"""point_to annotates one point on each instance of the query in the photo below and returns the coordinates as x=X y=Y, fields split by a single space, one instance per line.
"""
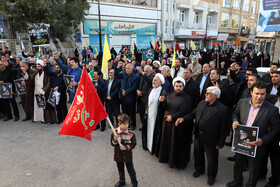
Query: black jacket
x=267 y=118
x=192 y=89
x=215 y=123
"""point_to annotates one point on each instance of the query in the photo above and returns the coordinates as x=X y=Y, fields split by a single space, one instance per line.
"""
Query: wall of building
x=131 y=20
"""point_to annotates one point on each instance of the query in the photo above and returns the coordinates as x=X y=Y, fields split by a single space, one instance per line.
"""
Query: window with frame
x=253 y=8
x=166 y=26
x=210 y=19
x=167 y=5
x=181 y=15
x=173 y=27
x=227 y=3
x=236 y=4
x=173 y=5
x=196 y=18
x=244 y=22
x=246 y=5
x=235 y=21
x=224 y=20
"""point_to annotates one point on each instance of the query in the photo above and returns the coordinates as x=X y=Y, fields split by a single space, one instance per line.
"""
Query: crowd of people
x=178 y=105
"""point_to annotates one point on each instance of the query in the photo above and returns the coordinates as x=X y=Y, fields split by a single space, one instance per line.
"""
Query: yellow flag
x=173 y=60
x=162 y=46
x=193 y=46
x=132 y=48
x=153 y=43
x=96 y=51
x=106 y=57
x=40 y=50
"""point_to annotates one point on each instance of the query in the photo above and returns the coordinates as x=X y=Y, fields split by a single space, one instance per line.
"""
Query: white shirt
x=273 y=91
x=109 y=86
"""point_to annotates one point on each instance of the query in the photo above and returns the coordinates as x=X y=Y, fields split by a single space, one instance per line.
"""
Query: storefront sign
x=115 y=27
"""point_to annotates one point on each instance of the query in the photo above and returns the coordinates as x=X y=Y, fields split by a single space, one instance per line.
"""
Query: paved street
x=34 y=155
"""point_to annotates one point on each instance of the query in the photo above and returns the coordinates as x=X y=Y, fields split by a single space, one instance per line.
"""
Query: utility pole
x=205 y=37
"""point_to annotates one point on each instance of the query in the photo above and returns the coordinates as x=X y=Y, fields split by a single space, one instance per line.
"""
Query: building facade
x=186 y=20
x=238 y=23
x=124 y=22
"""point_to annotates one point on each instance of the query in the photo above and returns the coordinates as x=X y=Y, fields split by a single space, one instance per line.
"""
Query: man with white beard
x=152 y=110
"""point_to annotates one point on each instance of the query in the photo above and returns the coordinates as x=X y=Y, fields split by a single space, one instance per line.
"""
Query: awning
x=189 y=37
x=252 y=37
x=222 y=36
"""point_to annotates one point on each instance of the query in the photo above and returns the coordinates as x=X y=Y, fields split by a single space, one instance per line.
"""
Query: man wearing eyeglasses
x=210 y=131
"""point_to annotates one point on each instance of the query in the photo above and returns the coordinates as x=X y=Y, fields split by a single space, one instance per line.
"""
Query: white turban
x=156 y=61
x=161 y=77
x=179 y=79
x=40 y=62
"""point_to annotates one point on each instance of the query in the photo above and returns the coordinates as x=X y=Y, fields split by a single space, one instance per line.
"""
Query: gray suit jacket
x=267 y=118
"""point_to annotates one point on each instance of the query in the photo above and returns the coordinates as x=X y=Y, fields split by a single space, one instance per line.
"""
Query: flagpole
x=113 y=130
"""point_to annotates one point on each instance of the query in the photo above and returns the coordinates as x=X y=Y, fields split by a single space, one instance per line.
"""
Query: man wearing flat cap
x=175 y=142
x=38 y=83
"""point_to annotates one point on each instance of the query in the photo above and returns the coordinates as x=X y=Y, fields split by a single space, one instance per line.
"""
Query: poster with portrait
x=6 y=91
x=21 y=90
x=68 y=79
x=41 y=101
x=269 y=16
x=243 y=136
x=39 y=33
x=52 y=98
x=148 y=54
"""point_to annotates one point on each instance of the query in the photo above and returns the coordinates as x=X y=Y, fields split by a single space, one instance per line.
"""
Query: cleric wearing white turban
x=152 y=108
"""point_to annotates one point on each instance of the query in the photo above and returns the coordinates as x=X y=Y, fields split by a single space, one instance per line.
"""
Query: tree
x=64 y=16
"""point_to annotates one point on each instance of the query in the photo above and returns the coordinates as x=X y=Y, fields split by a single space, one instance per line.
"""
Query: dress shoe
x=210 y=182
x=196 y=174
x=140 y=129
x=16 y=118
x=102 y=129
x=234 y=184
x=26 y=118
x=231 y=158
x=7 y=119
x=135 y=185
x=119 y=184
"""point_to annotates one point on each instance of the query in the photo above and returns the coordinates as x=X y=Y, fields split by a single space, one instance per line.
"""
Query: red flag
x=157 y=48
x=177 y=47
x=86 y=110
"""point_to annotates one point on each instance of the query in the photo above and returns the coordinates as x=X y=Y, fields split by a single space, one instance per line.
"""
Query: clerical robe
x=176 y=140
x=39 y=83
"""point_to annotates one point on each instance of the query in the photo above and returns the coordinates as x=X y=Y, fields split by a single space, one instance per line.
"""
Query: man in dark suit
x=112 y=100
x=129 y=83
x=267 y=77
x=24 y=64
x=204 y=80
x=275 y=82
x=100 y=87
x=58 y=84
x=145 y=84
x=210 y=132
x=191 y=87
x=255 y=112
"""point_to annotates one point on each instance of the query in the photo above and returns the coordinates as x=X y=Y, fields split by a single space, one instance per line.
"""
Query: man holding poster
x=258 y=113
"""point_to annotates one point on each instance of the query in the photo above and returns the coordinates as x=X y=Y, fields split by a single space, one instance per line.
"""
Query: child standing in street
x=123 y=152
